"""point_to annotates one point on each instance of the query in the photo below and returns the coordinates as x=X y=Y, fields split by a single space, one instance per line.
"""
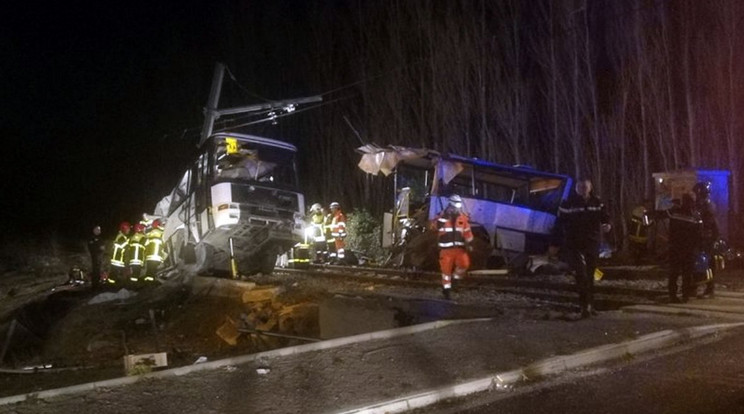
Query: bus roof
x=427 y=158
x=259 y=140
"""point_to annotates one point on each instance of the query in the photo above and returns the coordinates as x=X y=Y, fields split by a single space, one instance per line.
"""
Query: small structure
x=671 y=185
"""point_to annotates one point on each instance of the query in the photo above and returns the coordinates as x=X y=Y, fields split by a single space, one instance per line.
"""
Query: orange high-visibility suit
x=454 y=236
x=338 y=232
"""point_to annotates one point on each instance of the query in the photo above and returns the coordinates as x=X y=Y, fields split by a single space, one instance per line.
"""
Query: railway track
x=541 y=288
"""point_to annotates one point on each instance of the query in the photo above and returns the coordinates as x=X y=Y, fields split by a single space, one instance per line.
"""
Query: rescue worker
x=154 y=250
x=582 y=218
x=75 y=276
x=338 y=231
x=96 y=248
x=330 y=241
x=641 y=222
x=136 y=252
x=685 y=234
x=454 y=238
x=118 y=254
x=146 y=221
x=710 y=233
x=317 y=232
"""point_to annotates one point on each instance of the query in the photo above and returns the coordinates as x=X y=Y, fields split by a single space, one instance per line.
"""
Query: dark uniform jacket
x=685 y=232
x=96 y=247
x=579 y=221
x=710 y=233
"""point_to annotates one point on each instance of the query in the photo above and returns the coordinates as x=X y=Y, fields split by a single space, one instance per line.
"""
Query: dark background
x=102 y=101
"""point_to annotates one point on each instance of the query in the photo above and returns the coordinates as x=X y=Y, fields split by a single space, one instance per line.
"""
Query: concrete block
x=144 y=363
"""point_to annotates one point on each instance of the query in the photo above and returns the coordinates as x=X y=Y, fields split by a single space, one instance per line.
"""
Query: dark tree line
x=612 y=90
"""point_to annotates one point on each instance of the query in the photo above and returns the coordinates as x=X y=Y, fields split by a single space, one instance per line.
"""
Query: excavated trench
x=28 y=328
x=71 y=341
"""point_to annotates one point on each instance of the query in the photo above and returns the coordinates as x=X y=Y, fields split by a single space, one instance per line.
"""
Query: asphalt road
x=704 y=377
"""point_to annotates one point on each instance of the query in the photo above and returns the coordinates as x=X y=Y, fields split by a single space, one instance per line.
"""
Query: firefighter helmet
x=316 y=208
x=139 y=228
x=157 y=224
x=124 y=227
x=702 y=189
x=335 y=204
x=455 y=201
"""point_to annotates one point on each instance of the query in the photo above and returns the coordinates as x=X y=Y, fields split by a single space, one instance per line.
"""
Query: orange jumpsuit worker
x=454 y=237
x=338 y=230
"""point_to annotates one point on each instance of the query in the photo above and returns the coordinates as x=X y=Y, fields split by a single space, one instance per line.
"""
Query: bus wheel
x=268 y=261
x=204 y=257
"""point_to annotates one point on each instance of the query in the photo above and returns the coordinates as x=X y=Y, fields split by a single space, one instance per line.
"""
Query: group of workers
x=581 y=221
x=135 y=255
x=327 y=233
x=693 y=241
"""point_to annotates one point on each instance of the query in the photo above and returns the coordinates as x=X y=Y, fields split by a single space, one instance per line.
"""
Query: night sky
x=102 y=103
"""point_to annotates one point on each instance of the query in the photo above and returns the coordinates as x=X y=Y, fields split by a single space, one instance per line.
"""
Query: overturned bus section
x=512 y=208
x=237 y=206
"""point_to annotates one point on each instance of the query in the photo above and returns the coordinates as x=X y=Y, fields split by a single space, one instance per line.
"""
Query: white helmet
x=316 y=207
x=335 y=204
x=455 y=201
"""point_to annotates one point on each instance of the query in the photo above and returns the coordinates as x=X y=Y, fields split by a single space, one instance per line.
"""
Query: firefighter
x=316 y=232
x=96 y=248
x=582 y=218
x=146 y=221
x=338 y=231
x=641 y=222
x=154 y=250
x=710 y=233
x=76 y=276
x=118 y=254
x=685 y=233
x=136 y=252
x=454 y=238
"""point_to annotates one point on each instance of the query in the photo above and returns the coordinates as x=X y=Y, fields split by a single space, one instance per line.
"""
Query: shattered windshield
x=242 y=160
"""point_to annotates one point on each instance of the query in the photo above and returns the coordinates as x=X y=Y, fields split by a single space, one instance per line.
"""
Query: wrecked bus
x=235 y=208
x=512 y=208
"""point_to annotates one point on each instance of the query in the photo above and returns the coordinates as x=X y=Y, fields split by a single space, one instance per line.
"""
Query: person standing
x=118 y=253
x=685 y=233
x=317 y=233
x=96 y=248
x=154 y=250
x=710 y=232
x=454 y=238
x=582 y=218
x=338 y=231
x=136 y=252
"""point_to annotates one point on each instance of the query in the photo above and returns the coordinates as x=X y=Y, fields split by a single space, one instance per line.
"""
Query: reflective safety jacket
x=317 y=221
x=338 y=225
x=453 y=230
x=154 y=250
x=120 y=247
x=136 y=249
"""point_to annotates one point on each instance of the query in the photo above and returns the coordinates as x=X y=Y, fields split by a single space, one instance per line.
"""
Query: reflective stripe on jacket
x=454 y=231
x=154 y=246
x=136 y=249
x=120 y=246
x=338 y=225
